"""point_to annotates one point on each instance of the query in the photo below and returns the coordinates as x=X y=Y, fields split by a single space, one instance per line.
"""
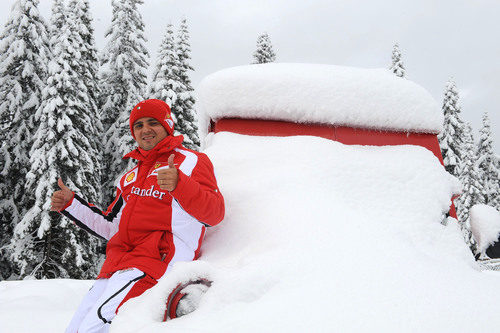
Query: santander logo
x=150 y=192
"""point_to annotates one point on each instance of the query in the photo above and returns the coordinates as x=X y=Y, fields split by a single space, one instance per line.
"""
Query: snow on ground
x=318 y=237
x=327 y=94
x=41 y=306
x=485 y=225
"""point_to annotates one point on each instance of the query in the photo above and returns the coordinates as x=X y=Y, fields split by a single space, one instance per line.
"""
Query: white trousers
x=98 y=308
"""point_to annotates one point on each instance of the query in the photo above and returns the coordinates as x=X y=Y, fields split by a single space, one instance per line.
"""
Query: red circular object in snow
x=176 y=295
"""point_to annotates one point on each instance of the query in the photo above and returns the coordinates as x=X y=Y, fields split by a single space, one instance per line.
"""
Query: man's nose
x=147 y=128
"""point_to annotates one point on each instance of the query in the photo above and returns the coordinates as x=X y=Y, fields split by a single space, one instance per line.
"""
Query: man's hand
x=60 y=198
x=168 y=178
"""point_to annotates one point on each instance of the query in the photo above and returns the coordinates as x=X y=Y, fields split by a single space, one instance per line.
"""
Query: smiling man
x=159 y=216
x=148 y=132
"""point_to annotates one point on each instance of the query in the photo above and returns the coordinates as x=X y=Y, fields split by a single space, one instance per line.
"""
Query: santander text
x=147 y=192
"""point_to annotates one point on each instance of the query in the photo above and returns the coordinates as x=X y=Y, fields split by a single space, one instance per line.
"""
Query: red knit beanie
x=153 y=108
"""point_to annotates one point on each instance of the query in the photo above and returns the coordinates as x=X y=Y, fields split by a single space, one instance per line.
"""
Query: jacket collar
x=164 y=146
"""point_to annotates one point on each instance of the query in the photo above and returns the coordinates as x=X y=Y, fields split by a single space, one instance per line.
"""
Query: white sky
x=438 y=39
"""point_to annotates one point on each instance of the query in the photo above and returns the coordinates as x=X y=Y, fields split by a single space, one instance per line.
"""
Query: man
x=158 y=217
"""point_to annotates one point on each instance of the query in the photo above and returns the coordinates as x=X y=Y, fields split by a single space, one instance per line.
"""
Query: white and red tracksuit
x=149 y=229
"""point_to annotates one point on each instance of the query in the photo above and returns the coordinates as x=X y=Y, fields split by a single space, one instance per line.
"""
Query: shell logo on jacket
x=130 y=177
x=149 y=228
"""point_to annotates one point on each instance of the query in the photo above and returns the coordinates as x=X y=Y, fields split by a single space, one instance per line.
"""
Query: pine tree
x=87 y=69
x=58 y=16
x=264 y=52
x=397 y=66
x=6 y=229
x=123 y=81
x=165 y=83
x=450 y=139
x=489 y=180
x=184 y=107
x=470 y=179
x=497 y=164
x=24 y=56
x=45 y=245
x=172 y=84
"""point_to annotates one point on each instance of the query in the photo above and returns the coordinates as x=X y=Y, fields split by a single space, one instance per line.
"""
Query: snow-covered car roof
x=324 y=94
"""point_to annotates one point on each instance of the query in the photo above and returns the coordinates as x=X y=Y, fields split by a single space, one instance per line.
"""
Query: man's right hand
x=60 y=198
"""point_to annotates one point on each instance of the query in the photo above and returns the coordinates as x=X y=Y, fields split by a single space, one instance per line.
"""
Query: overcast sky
x=438 y=39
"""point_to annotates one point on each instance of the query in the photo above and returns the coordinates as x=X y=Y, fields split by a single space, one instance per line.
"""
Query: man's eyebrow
x=152 y=120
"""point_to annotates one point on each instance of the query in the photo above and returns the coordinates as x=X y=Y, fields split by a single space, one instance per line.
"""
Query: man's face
x=148 y=132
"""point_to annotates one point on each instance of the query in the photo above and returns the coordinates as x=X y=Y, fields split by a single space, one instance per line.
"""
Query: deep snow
x=318 y=237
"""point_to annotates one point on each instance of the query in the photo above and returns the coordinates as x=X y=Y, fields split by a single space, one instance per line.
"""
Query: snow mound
x=325 y=94
x=321 y=236
x=485 y=225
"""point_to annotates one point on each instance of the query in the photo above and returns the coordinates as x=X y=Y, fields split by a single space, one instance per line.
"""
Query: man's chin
x=147 y=146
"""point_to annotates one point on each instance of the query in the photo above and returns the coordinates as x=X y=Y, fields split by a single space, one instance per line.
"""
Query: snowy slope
x=318 y=237
x=326 y=94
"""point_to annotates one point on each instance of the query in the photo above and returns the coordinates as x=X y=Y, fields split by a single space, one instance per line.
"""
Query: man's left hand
x=168 y=178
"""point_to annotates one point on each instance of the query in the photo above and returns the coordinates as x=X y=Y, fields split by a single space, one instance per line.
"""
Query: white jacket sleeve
x=92 y=219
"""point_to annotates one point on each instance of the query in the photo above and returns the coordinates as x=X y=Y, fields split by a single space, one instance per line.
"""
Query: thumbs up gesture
x=168 y=178
x=60 y=198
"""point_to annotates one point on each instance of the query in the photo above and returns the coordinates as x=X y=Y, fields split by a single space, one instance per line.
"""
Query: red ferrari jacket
x=149 y=228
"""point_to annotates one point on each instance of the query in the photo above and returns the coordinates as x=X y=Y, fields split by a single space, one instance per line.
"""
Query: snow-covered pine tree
x=165 y=83
x=172 y=84
x=24 y=56
x=450 y=139
x=5 y=231
x=489 y=180
x=123 y=81
x=469 y=177
x=44 y=245
x=90 y=71
x=497 y=163
x=58 y=16
x=397 y=66
x=87 y=67
x=264 y=52
x=183 y=109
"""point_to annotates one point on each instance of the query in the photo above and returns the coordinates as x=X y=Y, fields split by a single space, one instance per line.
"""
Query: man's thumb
x=61 y=184
x=171 y=161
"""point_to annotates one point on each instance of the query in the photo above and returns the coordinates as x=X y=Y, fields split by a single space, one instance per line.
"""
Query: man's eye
x=138 y=126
